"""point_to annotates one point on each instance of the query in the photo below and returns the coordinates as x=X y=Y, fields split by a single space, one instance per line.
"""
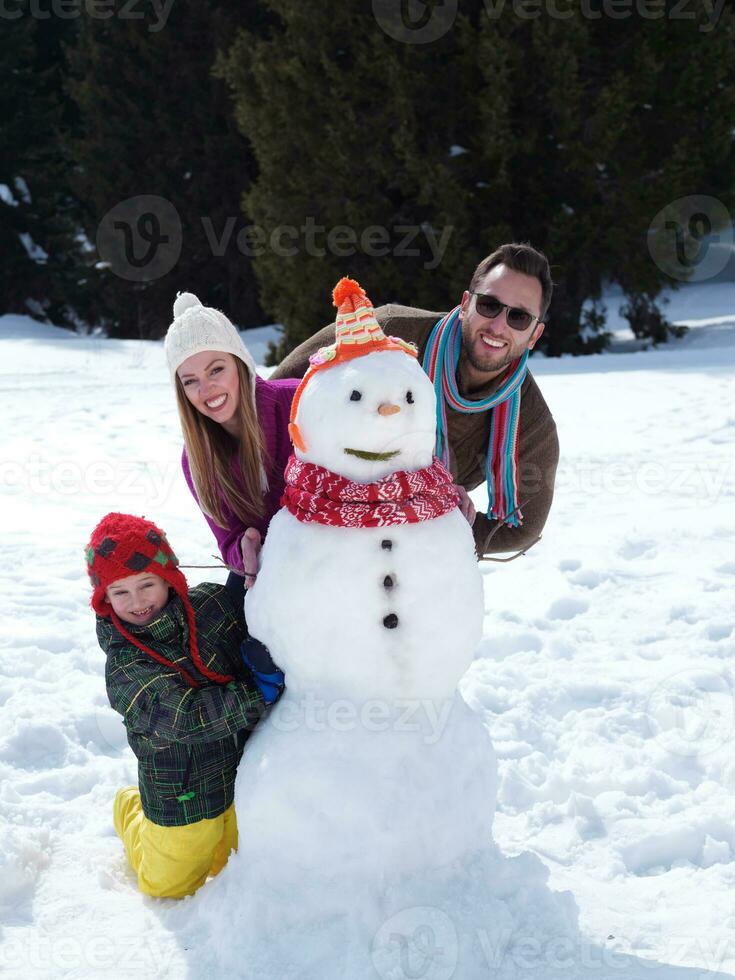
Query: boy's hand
x=250 y=544
x=268 y=677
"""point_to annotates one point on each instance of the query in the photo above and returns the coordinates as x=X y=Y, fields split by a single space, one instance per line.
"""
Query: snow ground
x=605 y=676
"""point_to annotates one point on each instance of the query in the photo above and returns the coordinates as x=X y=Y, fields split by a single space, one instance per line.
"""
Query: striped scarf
x=315 y=494
x=501 y=463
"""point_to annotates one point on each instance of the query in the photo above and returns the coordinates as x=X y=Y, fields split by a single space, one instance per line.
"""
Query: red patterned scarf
x=314 y=494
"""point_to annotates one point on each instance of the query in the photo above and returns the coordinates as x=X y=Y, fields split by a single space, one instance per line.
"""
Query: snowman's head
x=368 y=417
x=365 y=408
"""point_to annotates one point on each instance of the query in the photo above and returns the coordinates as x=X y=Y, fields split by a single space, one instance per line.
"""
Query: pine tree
x=603 y=123
x=156 y=122
x=44 y=271
x=566 y=131
x=350 y=131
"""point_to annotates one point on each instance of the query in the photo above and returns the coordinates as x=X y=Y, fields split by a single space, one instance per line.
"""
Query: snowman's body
x=365 y=799
x=355 y=612
x=384 y=754
x=374 y=627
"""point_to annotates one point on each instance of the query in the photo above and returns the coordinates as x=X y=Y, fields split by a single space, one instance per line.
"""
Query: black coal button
x=388 y=582
x=391 y=621
x=386 y=544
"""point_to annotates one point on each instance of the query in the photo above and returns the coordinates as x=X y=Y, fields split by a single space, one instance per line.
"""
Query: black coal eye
x=409 y=397
x=355 y=396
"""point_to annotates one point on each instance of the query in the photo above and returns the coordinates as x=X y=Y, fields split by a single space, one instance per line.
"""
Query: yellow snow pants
x=172 y=862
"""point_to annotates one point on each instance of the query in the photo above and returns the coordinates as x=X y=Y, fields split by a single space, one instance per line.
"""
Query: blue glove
x=267 y=676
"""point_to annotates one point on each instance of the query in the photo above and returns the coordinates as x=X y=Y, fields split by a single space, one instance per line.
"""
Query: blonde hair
x=209 y=450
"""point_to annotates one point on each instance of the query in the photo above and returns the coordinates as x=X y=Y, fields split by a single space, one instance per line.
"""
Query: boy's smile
x=138 y=599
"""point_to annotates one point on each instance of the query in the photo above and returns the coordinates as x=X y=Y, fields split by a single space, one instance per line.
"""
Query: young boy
x=175 y=674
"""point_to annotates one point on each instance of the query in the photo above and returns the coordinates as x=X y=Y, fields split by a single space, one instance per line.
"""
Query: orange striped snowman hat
x=357 y=333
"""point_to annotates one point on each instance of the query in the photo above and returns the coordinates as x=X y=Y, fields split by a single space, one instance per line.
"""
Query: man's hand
x=250 y=544
x=466 y=505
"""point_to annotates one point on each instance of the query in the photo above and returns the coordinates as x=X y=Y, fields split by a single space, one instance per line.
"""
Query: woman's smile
x=202 y=372
x=217 y=402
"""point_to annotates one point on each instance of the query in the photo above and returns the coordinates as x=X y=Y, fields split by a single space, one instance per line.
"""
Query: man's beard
x=468 y=349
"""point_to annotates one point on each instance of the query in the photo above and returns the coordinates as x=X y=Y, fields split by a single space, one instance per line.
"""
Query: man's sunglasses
x=490 y=307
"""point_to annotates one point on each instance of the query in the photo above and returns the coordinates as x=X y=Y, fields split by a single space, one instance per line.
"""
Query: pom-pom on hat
x=357 y=333
x=197 y=328
x=122 y=545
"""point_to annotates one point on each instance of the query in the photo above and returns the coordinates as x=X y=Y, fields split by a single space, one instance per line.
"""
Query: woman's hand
x=465 y=505
x=250 y=544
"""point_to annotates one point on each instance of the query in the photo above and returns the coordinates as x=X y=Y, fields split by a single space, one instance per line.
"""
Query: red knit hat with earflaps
x=122 y=545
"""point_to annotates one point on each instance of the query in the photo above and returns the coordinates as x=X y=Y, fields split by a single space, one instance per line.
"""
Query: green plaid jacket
x=188 y=740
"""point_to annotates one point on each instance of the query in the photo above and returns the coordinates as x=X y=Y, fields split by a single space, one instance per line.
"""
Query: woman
x=235 y=427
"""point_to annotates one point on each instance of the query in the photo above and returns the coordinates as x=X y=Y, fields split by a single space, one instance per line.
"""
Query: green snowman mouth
x=364 y=454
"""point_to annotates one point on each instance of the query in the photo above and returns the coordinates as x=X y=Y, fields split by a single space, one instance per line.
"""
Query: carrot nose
x=387 y=409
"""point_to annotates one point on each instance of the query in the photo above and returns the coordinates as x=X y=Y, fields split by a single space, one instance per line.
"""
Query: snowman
x=371 y=770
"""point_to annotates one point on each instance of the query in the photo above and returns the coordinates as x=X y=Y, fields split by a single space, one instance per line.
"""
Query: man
x=476 y=355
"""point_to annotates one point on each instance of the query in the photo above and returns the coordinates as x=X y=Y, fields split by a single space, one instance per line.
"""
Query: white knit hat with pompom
x=197 y=328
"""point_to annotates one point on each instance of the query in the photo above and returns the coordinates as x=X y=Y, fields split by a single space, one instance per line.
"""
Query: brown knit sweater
x=538 y=445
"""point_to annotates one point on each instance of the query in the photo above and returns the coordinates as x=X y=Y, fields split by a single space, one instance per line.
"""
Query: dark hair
x=520 y=257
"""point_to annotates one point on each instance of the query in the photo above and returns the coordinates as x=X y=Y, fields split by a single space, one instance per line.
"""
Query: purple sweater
x=273 y=401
